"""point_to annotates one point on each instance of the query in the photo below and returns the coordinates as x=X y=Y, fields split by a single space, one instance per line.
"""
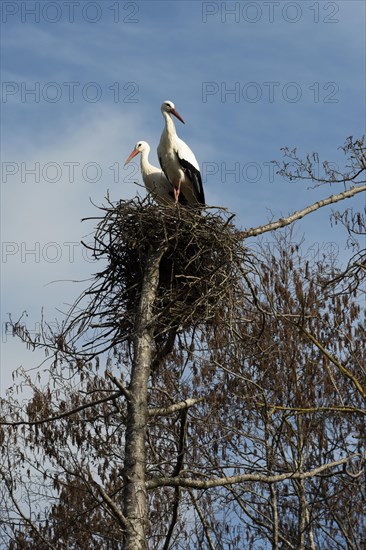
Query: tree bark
x=134 y=493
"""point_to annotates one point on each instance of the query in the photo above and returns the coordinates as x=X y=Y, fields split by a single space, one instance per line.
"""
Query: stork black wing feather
x=195 y=177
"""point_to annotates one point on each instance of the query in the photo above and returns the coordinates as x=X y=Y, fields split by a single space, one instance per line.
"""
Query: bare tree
x=203 y=392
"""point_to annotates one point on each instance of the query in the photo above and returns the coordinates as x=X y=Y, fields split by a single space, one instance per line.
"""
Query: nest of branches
x=200 y=270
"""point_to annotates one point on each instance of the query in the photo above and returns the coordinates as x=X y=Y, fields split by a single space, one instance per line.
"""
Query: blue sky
x=100 y=71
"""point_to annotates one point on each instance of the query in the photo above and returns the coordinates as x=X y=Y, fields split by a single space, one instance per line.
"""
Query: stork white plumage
x=154 y=179
x=178 y=161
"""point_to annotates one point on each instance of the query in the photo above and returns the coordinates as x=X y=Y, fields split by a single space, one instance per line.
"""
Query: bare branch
x=65 y=414
x=166 y=411
x=203 y=520
x=27 y=520
x=112 y=506
x=282 y=222
x=230 y=480
x=306 y=410
x=333 y=360
x=119 y=384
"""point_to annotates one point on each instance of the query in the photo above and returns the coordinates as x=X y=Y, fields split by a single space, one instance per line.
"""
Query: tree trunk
x=134 y=494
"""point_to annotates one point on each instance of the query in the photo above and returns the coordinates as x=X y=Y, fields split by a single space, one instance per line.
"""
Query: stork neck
x=144 y=162
x=144 y=158
x=169 y=125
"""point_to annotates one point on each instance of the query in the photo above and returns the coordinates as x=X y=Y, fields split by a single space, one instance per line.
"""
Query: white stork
x=154 y=178
x=178 y=161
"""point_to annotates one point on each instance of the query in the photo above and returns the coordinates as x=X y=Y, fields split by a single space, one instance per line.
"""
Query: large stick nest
x=200 y=271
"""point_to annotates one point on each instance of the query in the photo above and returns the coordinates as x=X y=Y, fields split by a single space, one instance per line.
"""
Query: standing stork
x=154 y=179
x=178 y=161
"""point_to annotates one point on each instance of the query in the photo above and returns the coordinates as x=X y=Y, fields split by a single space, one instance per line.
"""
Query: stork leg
x=176 y=192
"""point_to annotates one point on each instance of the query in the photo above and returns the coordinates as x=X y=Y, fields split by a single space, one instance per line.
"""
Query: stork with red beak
x=177 y=161
x=154 y=179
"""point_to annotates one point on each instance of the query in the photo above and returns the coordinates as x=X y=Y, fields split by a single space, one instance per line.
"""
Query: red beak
x=175 y=113
x=133 y=154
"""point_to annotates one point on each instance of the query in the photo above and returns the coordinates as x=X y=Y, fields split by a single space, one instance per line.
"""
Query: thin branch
x=176 y=472
x=119 y=384
x=305 y=410
x=112 y=506
x=256 y=521
x=230 y=480
x=203 y=521
x=65 y=414
x=27 y=520
x=282 y=222
x=182 y=405
x=339 y=366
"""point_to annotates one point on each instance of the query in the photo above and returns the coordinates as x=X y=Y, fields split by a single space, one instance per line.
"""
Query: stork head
x=139 y=148
x=169 y=107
